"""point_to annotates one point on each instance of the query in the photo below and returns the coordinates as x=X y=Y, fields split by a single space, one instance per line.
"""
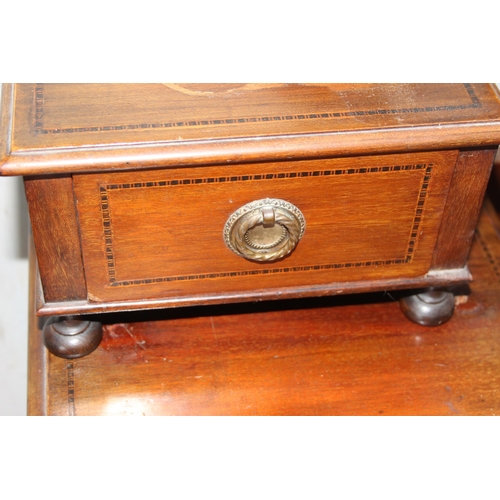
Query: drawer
x=159 y=233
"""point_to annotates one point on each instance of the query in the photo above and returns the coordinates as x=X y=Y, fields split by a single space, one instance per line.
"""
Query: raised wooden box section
x=161 y=195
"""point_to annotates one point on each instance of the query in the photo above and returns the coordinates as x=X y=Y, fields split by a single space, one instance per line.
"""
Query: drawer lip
x=441 y=278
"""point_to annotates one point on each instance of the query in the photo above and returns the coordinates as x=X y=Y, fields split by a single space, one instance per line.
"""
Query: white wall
x=13 y=297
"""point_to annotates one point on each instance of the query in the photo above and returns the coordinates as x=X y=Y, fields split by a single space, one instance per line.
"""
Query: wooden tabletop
x=352 y=355
x=56 y=128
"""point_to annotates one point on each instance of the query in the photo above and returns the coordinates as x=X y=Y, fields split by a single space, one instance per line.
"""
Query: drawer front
x=159 y=233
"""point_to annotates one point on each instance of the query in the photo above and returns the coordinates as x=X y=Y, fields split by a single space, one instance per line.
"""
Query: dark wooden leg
x=71 y=337
x=430 y=308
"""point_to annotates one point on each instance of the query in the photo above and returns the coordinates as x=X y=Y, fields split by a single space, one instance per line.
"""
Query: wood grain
x=447 y=278
x=55 y=226
x=467 y=190
x=83 y=128
x=329 y=356
x=37 y=354
x=160 y=234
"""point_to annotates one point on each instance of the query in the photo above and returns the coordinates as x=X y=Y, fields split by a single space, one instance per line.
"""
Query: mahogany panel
x=351 y=355
x=460 y=216
x=159 y=234
x=54 y=223
x=92 y=127
x=37 y=353
x=93 y=114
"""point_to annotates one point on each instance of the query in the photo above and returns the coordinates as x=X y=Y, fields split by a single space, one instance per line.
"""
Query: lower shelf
x=349 y=355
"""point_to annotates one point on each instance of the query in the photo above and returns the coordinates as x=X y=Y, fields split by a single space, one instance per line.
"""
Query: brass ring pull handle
x=264 y=230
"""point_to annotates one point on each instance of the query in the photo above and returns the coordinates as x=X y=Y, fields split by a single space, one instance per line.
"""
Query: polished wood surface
x=55 y=231
x=350 y=355
x=150 y=234
x=460 y=216
x=38 y=356
x=58 y=128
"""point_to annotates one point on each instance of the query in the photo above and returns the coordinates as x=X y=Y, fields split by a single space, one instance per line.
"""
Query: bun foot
x=71 y=337
x=430 y=308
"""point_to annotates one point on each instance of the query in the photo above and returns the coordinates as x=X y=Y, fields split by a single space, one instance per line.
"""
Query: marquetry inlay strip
x=71 y=388
x=492 y=259
x=39 y=113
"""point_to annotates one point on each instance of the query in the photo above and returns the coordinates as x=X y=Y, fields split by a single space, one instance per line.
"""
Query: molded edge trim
x=252 y=149
x=449 y=277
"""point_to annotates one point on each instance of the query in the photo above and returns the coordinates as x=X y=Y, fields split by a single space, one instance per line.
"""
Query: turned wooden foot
x=430 y=308
x=71 y=337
